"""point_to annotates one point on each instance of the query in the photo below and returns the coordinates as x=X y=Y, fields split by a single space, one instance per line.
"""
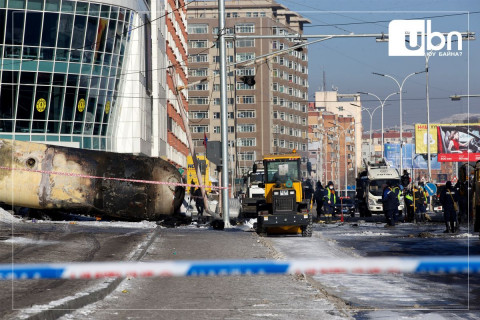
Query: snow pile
x=7 y=217
x=367 y=234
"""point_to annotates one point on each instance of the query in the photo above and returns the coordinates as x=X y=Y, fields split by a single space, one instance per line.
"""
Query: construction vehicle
x=284 y=210
x=254 y=192
x=204 y=164
x=370 y=183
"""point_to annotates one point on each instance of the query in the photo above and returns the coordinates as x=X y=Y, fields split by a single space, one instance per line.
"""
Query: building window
x=199 y=87
x=217 y=115
x=246 y=142
x=228 y=30
x=244 y=56
x=198 y=114
x=216 y=101
x=244 y=86
x=198 y=58
x=194 y=28
x=245 y=28
x=198 y=100
x=246 y=114
x=199 y=129
x=246 y=72
x=202 y=72
x=246 y=99
x=246 y=128
x=245 y=43
x=193 y=44
x=228 y=44
x=246 y=156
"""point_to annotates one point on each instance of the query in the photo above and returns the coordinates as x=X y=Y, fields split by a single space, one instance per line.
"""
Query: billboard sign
x=458 y=142
x=421 y=138
x=411 y=160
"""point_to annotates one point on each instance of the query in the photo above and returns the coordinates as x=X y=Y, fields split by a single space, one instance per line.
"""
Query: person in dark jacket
x=390 y=204
x=448 y=197
x=308 y=191
x=329 y=201
x=318 y=198
x=199 y=203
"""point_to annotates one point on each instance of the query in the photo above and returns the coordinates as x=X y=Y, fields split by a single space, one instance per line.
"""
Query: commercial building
x=93 y=74
x=266 y=98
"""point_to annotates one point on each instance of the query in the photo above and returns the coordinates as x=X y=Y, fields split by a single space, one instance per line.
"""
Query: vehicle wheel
x=308 y=229
x=260 y=229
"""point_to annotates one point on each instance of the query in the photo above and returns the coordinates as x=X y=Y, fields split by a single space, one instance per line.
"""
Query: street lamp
x=370 y=113
x=382 y=103
x=458 y=97
x=400 y=88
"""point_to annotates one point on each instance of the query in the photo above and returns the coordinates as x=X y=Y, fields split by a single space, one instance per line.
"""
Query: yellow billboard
x=421 y=138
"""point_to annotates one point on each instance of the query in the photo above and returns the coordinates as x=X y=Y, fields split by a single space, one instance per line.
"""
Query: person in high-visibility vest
x=329 y=201
x=396 y=190
x=409 y=205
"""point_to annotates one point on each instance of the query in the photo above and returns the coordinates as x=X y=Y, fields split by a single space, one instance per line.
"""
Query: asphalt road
x=44 y=242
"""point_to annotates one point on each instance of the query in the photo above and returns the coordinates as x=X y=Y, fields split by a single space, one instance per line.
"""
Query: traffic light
x=309 y=167
x=248 y=80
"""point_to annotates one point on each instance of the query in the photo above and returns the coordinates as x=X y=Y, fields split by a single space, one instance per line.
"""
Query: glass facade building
x=61 y=70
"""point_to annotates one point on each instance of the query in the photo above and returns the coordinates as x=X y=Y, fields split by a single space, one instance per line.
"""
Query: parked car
x=345 y=205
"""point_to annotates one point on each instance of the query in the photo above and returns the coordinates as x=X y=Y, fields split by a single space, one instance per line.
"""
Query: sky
x=348 y=63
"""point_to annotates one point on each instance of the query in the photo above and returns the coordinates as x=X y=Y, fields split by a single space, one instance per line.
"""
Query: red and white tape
x=78 y=175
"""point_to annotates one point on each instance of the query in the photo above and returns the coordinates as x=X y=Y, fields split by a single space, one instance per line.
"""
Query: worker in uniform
x=448 y=199
x=329 y=201
x=409 y=205
x=418 y=202
x=398 y=193
x=318 y=198
x=390 y=204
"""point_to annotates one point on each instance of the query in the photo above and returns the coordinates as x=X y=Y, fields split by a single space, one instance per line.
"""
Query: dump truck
x=284 y=210
x=369 y=186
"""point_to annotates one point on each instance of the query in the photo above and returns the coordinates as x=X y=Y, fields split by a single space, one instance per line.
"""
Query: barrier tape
x=78 y=175
x=97 y=270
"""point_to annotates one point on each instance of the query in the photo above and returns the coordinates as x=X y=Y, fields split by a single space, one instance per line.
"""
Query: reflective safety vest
x=327 y=197
x=397 y=192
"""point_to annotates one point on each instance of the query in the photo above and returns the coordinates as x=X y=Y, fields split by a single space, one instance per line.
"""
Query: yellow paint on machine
x=284 y=230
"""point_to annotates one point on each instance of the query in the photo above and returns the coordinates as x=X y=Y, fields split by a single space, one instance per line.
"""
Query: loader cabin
x=282 y=170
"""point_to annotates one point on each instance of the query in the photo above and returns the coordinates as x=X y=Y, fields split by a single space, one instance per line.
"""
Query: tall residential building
x=92 y=74
x=267 y=117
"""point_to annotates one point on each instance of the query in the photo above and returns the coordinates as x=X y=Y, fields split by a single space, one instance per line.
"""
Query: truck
x=254 y=192
x=369 y=186
x=285 y=210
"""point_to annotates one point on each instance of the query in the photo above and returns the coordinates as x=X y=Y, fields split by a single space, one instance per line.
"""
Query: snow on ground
x=7 y=217
x=391 y=295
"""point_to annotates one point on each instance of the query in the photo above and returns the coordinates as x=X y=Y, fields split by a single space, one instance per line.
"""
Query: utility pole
x=224 y=112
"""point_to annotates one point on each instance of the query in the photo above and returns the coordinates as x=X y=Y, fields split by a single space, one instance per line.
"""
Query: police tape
x=78 y=175
x=97 y=270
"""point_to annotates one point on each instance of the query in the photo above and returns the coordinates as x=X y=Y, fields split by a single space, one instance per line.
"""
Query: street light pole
x=382 y=104
x=370 y=113
x=400 y=88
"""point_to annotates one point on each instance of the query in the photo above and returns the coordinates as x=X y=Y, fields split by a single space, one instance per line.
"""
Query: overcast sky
x=349 y=63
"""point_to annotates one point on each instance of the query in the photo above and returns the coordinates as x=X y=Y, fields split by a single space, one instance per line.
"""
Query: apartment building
x=266 y=97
